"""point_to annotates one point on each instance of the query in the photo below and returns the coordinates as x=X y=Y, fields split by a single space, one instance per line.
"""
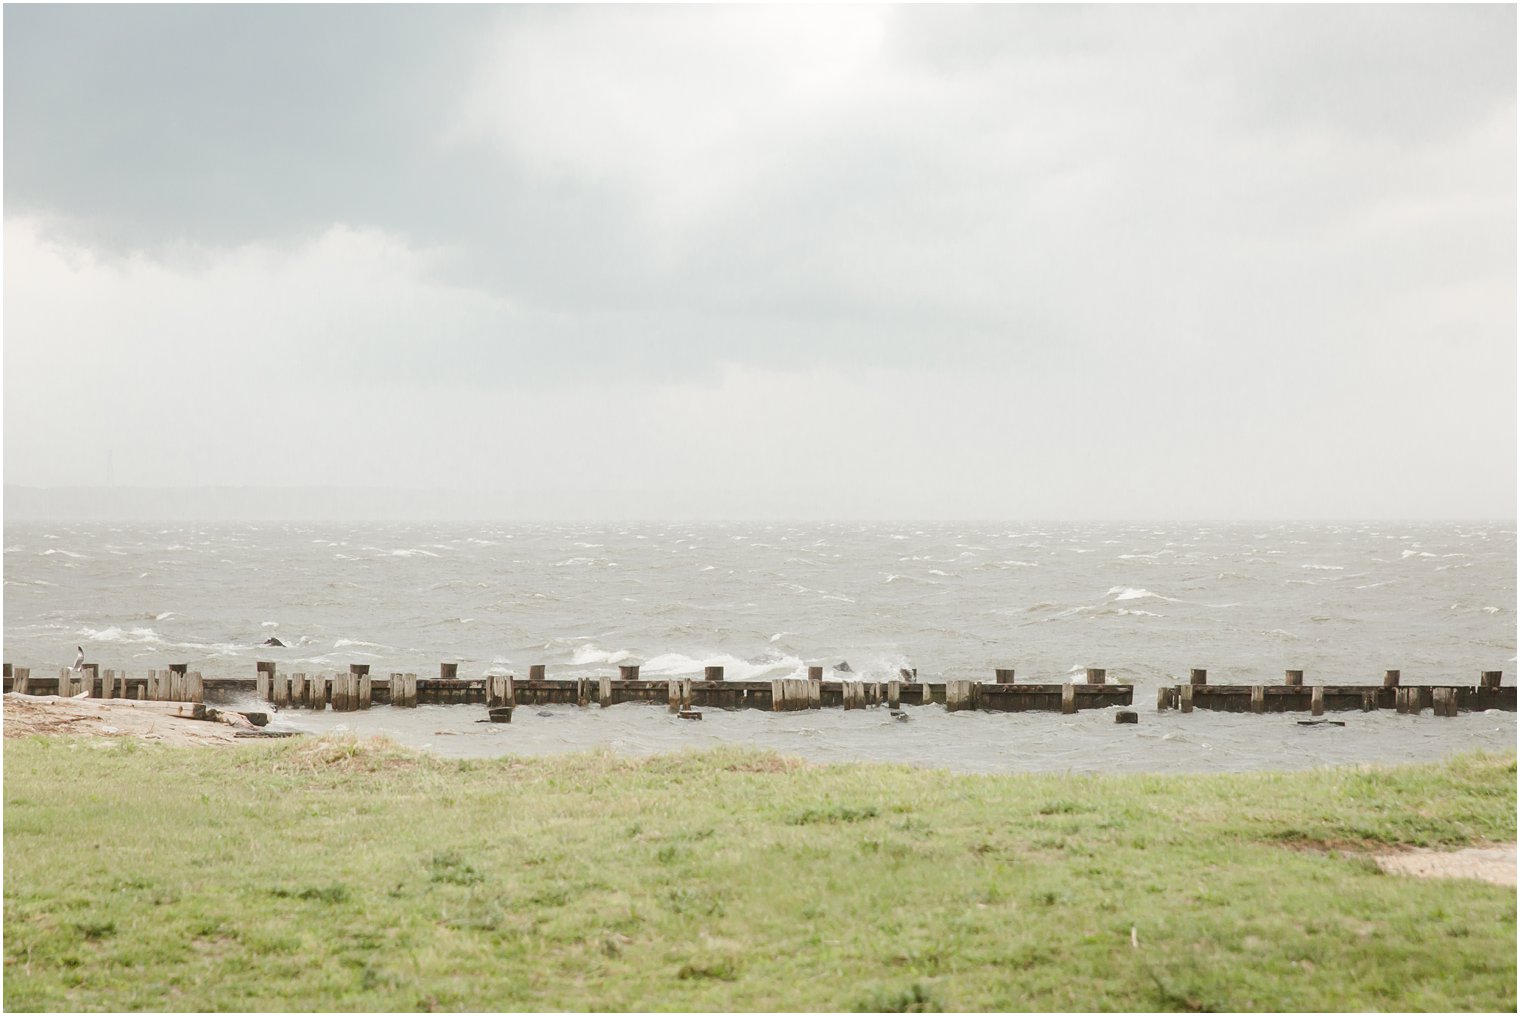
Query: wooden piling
x=300 y=694
x=1258 y=698
x=1186 y=696
x=712 y=673
x=1003 y=675
x=673 y=698
x=1068 y=698
x=1369 y=701
x=628 y=672
x=1317 y=701
x=1390 y=679
x=1097 y=675
x=778 y=695
x=604 y=691
x=448 y=671
x=89 y=673
x=108 y=684
x=582 y=692
x=196 y=686
x=1198 y=676
x=364 y=689
x=536 y=672
x=1163 y=698
x=894 y=693
x=961 y=695
x=686 y=702
x=815 y=673
x=22 y=681
x=1293 y=678
x=1490 y=680
x=815 y=690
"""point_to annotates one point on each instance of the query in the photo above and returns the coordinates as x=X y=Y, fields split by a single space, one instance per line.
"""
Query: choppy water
x=1146 y=601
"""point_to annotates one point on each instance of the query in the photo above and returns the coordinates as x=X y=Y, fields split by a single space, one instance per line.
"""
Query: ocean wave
x=413 y=552
x=66 y=553
x=734 y=668
x=132 y=636
x=1324 y=567
x=589 y=654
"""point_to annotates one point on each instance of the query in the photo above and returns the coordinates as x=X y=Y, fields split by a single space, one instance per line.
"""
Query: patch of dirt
x=49 y=715
x=1494 y=864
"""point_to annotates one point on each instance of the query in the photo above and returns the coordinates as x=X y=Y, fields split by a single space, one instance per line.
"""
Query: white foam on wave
x=734 y=668
x=1125 y=612
x=1406 y=555
x=132 y=636
x=1122 y=593
x=66 y=553
x=589 y=654
x=1324 y=567
x=346 y=643
x=413 y=552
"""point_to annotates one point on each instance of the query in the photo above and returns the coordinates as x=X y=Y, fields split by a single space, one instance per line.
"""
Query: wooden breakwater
x=358 y=689
x=176 y=684
x=1293 y=695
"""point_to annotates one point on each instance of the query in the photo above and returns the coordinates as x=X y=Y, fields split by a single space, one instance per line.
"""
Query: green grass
x=358 y=876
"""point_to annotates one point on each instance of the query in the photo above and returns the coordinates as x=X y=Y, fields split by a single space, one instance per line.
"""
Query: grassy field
x=343 y=875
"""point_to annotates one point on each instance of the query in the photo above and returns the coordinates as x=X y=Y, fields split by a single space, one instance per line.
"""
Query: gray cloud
x=1230 y=236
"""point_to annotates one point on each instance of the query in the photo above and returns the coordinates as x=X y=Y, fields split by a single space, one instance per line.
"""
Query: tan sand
x=1494 y=863
x=33 y=715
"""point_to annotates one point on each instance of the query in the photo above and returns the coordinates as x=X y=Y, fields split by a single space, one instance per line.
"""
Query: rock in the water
x=272 y=641
x=843 y=666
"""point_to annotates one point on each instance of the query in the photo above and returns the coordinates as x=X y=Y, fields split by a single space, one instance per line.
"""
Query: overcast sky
x=992 y=262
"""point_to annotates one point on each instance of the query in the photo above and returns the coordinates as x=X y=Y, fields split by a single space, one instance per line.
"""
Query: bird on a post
x=79 y=662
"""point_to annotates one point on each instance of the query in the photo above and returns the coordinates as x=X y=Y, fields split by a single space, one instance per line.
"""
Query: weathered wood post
x=582 y=692
x=1438 y=700
x=300 y=693
x=1163 y=698
x=673 y=698
x=1317 y=701
x=1258 y=698
x=1097 y=675
x=815 y=689
x=263 y=679
x=195 y=686
x=536 y=672
x=1414 y=699
x=712 y=673
x=1003 y=675
x=107 y=684
x=1197 y=676
x=957 y=696
x=1293 y=678
x=23 y=680
x=1068 y=698
x=604 y=691
x=628 y=672
x=778 y=694
x=1390 y=679
x=894 y=694
x=1185 y=694
x=410 y=683
x=1490 y=680
x=90 y=672
x=448 y=671
x=815 y=673
x=358 y=685
x=1369 y=701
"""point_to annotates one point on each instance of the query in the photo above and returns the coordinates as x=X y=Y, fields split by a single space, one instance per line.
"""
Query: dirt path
x=1494 y=863
x=32 y=715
